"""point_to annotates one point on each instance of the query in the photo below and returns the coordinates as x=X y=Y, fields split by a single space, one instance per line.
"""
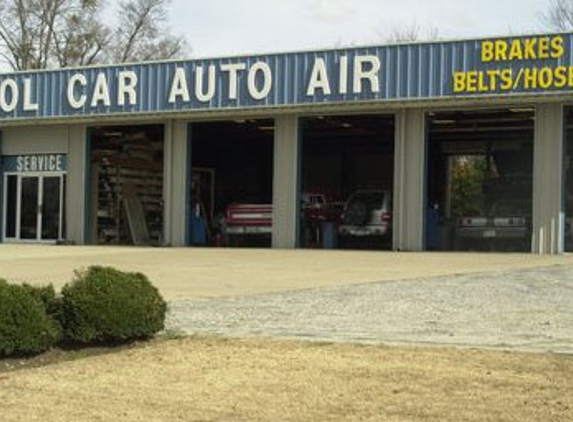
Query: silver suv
x=367 y=213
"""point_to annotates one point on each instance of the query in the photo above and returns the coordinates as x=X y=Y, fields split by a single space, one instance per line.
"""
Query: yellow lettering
x=557 y=48
x=545 y=77
x=506 y=79
x=501 y=48
x=570 y=82
x=482 y=86
x=487 y=51
x=516 y=52
x=543 y=48
x=530 y=46
x=459 y=82
x=493 y=76
x=471 y=81
x=530 y=78
x=560 y=77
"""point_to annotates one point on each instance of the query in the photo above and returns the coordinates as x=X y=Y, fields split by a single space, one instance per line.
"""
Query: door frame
x=40 y=176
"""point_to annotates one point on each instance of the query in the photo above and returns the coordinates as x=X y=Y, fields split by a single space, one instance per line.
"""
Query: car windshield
x=511 y=209
x=372 y=200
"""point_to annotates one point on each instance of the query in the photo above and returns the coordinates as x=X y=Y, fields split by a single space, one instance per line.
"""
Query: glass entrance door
x=51 y=209
x=29 y=207
x=34 y=207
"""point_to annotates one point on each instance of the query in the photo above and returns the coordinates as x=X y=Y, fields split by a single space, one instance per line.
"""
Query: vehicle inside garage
x=127 y=206
x=232 y=183
x=480 y=178
x=347 y=178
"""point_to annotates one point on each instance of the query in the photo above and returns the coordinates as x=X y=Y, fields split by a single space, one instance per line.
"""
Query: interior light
x=521 y=110
x=443 y=121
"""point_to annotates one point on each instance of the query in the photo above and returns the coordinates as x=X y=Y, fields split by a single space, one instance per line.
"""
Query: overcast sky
x=227 y=27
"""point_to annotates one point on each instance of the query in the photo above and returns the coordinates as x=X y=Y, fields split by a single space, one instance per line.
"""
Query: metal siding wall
x=286 y=180
x=408 y=73
x=77 y=205
x=548 y=179
x=38 y=140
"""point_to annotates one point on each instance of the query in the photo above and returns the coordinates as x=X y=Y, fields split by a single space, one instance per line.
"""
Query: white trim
x=359 y=106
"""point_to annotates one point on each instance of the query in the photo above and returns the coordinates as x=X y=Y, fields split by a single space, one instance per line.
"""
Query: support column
x=2 y=205
x=286 y=201
x=548 y=180
x=175 y=185
x=409 y=181
x=77 y=185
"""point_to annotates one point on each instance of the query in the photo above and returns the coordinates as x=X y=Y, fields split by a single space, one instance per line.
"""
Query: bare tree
x=79 y=36
x=559 y=15
x=40 y=34
x=409 y=33
x=139 y=34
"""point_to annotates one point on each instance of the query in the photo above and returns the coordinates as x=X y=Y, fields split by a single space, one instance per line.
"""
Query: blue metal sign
x=510 y=67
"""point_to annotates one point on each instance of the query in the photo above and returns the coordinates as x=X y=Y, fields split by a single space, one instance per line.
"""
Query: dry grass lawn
x=251 y=380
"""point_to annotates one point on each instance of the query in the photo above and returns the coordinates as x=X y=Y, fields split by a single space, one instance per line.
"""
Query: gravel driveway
x=530 y=310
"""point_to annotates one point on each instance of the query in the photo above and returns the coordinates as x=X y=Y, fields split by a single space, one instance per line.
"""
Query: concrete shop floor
x=192 y=272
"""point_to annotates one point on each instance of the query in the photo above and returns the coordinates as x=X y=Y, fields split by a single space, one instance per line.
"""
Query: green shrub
x=47 y=295
x=25 y=328
x=105 y=305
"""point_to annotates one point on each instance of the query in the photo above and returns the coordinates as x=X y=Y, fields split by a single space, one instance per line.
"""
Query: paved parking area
x=194 y=272
x=488 y=300
x=527 y=309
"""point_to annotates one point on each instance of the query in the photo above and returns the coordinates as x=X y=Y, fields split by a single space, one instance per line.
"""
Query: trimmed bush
x=25 y=328
x=47 y=295
x=105 y=305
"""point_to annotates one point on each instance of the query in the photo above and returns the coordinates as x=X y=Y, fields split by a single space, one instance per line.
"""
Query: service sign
x=515 y=66
x=36 y=163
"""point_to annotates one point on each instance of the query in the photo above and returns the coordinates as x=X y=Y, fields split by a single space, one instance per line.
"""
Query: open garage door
x=231 y=183
x=347 y=181
x=480 y=180
x=127 y=185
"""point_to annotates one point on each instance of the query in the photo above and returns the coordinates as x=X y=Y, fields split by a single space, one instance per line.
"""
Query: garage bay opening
x=127 y=185
x=347 y=180
x=480 y=178
x=232 y=183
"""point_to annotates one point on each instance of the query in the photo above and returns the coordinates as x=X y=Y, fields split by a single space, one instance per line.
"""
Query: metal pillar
x=286 y=179
x=77 y=200
x=409 y=181
x=548 y=180
x=176 y=182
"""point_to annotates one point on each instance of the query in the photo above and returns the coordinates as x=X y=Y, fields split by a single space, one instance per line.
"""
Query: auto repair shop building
x=467 y=144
